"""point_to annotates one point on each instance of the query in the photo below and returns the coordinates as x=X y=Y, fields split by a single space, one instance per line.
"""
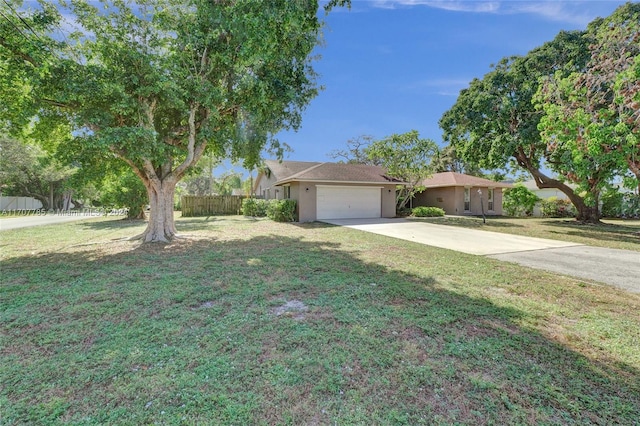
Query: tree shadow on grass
x=470 y=222
x=187 y=333
x=186 y=224
x=602 y=232
x=191 y=224
x=114 y=223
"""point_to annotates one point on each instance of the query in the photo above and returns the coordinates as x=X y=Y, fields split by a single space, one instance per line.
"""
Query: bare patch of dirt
x=293 y=308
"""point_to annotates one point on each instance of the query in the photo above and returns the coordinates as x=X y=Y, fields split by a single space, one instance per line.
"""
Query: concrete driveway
x=620 y=268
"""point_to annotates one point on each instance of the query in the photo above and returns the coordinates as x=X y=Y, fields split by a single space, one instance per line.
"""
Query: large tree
x=494 y=122
x=156 y=83
x=596 y=111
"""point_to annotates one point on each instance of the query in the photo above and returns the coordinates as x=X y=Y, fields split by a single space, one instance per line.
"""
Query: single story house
x=329 y=190
x=460 y=194
x=544 y=194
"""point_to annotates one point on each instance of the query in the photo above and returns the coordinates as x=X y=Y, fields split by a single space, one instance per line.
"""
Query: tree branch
x=193 y=152
x=17 y=53
x=55 y=103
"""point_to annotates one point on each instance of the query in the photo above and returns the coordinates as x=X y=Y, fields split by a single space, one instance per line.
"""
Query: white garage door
x=347 y=202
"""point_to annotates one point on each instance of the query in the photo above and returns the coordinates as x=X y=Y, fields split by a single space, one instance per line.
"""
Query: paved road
x=620 y=268
x=37 y=220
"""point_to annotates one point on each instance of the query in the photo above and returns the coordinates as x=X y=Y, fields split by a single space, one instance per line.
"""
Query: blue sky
x=393 y=66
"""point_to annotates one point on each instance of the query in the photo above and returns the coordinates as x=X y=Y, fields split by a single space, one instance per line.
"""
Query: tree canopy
x=533 y=111
x=407 y=157
x=595 y=113
x=156 y=83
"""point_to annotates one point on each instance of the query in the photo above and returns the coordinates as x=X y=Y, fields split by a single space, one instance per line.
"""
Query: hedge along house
x=329 y=190
x=460 y=194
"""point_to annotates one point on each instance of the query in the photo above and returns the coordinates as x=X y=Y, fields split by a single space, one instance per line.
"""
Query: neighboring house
x=329 y=190
x=546 y=192
x=457 y=194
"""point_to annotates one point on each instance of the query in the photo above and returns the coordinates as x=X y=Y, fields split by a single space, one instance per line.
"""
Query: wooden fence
x=193 y=205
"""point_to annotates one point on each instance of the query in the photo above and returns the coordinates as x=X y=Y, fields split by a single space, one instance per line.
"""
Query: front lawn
x=612 y=233
x=257 y=322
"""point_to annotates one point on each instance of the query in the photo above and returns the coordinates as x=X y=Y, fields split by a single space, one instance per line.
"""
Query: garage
x=348 y=202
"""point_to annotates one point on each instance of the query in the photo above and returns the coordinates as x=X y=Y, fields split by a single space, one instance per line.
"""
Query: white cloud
x=570 y=12
x=578 y=12
x=453 y=5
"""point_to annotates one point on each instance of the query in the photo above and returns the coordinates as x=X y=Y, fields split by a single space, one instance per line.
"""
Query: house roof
x=283 y=169
x=444 y=179
x=291 y=171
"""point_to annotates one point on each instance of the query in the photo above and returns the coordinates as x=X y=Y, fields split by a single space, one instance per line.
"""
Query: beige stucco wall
x=264 y=187
x=305 y=195
x=497 y=195
x=437 y=197
x=388 y=201
x=307 y=199
x=451 y=200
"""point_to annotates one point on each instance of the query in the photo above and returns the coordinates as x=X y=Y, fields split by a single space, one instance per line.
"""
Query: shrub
x=427 y=211
x=612 y=200
x=254 y=207
x=618 y=204
x=282 y=210
x=555 y=207
x=519 y=201
x=278 y=210
x=403 y=212
x=630 y=206
x=125 y=192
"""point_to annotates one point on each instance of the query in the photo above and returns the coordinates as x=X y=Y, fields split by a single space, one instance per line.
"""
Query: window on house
x=467 y=199
x=490 y=199
x=286 y=192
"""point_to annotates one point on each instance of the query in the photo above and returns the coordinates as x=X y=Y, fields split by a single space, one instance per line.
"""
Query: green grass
x=612 y=233
x=100 y=330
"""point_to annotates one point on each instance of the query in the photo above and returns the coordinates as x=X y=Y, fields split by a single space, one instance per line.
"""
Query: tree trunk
x=584 y=212
x=44 y=200
x=588 y=214
x=404 y=196
x=136 y=213
x=160 y=181
x=51 y=196
x=161 y=226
